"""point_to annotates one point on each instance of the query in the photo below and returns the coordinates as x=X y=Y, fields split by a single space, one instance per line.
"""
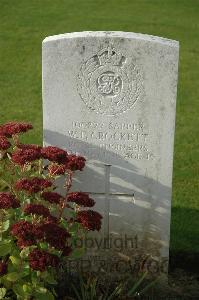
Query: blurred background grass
x=23 y=26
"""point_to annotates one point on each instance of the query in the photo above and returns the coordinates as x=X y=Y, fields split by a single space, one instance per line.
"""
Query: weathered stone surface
x=111 y=96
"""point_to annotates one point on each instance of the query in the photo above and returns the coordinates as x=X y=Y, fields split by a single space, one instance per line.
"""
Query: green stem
x=6 y=183
x=68 y=187
x=1 y=225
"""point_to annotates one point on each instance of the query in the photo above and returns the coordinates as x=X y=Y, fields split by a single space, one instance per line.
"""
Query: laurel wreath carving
x=134 y=91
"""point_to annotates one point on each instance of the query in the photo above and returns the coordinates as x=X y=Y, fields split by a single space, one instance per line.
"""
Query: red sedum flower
x=26 y=154
x=3 y=268
x=12 y=128
x=7 y=200
x=75 y=162
x=81 y=199
x=4 y=143
x=32 y=185
x=55 y=235
x=36 y=209
x=29 y=147
x=52 y=197
x=39 y=260
x=26 y=233
x=54 y=154
x=22 y=243
x=89 y=219
x=51 y=219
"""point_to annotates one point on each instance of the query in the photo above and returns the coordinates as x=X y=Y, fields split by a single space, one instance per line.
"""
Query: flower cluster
x=39 y=260
x=39 y=224
x=55 y=235
x=7 y=200
x=89 y=219
x=32 y=185
x=52 y=197
x=11 y=128
x=54 y=154
x=26 y=153
x=1 y=131
x=37 y=209
x=30 y=147
x=26 y=233
x=75 y=162
x=4 y=143
x=51 y=219
x=81 y=199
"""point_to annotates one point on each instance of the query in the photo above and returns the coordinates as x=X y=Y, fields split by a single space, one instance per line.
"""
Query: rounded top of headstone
x=119 y=34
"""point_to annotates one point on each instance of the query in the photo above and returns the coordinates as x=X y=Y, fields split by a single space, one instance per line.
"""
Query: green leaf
x=28 y=168
x=76 y=290
x=64 y=223
x=5 y=225
x=5 y=283
x=25 y=273
x=5 y=248
x=148 y=286
x=26 y=266
x=34 y=278
x=41 y=290
x=14 y=276
x=15 y=260
x=46 y=276
x=18 y=290
x=38 y=273
x=2 y=293
x=137 y=284
x=27 y=288
x=74 y=228
x=43 y=245
x=48 y=295
x=26 y=251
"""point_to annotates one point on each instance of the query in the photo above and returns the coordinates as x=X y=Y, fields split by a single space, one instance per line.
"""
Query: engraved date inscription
x=128 y=140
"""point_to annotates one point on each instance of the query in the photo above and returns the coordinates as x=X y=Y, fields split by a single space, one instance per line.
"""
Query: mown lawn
x=23 y=26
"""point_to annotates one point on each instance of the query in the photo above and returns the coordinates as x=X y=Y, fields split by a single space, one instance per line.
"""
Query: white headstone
x=111 y=97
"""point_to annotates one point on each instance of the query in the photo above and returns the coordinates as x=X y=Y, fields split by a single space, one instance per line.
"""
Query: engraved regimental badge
x=109 y=83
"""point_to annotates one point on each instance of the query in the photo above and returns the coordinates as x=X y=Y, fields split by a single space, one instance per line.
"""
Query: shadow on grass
x=184 y=251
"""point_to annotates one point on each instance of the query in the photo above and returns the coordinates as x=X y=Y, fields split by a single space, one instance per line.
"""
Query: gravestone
x=111 y=97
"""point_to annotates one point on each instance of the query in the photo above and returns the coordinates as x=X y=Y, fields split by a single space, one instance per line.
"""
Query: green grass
x=25 y=23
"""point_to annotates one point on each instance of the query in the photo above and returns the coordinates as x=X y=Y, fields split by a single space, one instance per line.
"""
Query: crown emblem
x=110 y=57
x=108 y=82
